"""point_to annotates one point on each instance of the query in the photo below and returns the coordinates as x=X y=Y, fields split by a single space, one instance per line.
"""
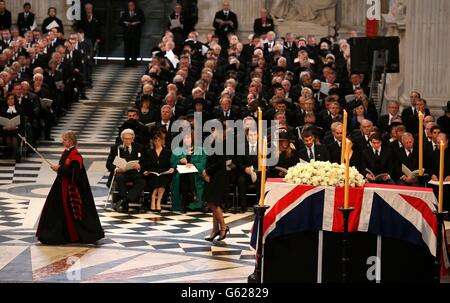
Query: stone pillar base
x=300 y=28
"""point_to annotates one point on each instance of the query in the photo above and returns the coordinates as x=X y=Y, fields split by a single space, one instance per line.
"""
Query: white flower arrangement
x=323 y=174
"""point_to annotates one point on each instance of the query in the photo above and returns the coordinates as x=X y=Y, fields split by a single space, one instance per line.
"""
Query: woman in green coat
x=187 y=189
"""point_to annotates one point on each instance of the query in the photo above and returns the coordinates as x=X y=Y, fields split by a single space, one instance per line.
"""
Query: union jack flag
x=402 y=213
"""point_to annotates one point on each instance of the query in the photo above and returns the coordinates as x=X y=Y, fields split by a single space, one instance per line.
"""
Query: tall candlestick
x=441 y=177
x=348 y=148
x=344 y=137
x=263 y=173
x=260 y=141
x=420 y=144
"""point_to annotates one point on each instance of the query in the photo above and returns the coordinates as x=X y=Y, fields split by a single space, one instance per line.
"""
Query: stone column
x=353 y=17
x=40 y=8
x=246 y=10
x=427 y=48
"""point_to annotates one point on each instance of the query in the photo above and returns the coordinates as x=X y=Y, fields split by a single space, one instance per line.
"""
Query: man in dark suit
x=361 y=137
x=132 y=21
x=397 y=144
x=313 y=151
x=378 y=160
x=263 y=25
x=334 y=147
x=180 y=30
x=225 y=22
x=25 y=20
x=141 y=132
x=225 y=111
x=393 y=113
x=5 y=16
x=408 y=156
x=91 y=25
x=166 y=123
x=129 y=151
x=247 y=166
x=410 y=115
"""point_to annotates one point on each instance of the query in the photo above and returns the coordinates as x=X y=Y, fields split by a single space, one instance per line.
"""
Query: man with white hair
x=263 y=25
x=128 y=151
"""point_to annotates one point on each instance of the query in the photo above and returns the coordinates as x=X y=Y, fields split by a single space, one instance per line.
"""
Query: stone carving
x=397 y=12
x=321 y=12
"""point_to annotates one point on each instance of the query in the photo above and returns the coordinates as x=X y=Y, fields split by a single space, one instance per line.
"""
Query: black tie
x=377 y=153
x=253 y=152
x=311 y=154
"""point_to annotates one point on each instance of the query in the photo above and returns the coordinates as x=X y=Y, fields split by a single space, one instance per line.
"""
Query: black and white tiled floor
x=138 y=247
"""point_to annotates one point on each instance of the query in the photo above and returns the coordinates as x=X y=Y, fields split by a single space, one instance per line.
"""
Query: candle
x=263 y=173
x=420 y=144
x=260 y=143
x=344 y=137
x=348 y=148
x=441 y=178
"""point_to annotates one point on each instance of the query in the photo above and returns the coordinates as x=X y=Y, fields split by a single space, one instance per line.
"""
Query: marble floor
x=138 y=247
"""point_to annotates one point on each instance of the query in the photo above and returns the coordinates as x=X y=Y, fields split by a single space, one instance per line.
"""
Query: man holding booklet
x=124 y=164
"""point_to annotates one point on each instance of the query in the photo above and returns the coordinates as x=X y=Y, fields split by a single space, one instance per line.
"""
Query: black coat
x=411 y=121
x=92 y=29
x=412 y=162
x=216 y=191
x=222 y=30
x=320 y=153
x=5 y=20
x=137 y=153
x=132 y=31
x=259 y=29
x=69 y=214
x=25 y=24
x=383 y=165
x=49 y=20
x=154 y=163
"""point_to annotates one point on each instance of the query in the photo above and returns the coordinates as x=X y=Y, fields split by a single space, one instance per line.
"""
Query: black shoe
x=252 y=278
x=49 y=139
x=84 y=97
x=120 y=206
x=213 y=236
x=225 y=231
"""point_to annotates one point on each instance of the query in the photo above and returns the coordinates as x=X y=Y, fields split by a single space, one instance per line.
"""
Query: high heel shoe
x=227 y=231
x=213 y=236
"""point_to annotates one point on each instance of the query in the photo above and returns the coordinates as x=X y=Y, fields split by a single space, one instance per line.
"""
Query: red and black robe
x=69 y=214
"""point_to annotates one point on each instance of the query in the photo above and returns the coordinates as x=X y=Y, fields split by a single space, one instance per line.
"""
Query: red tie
x=177 y=16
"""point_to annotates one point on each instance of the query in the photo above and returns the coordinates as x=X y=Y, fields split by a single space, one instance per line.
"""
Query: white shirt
x=12 y=110
x=252 y=149
x=409 y=152
x=375 y=151
x=165 y=124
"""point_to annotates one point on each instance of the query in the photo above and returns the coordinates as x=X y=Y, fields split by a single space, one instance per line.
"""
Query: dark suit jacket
x=137 y=153
x=218 y=114
x=320 y=153
x=132 y=31
x=25 y=24
x=259 y=29
x=436 y=162
x=247 y=160
x=411 y=121
x=382 y=165
x=222 y=30
x=92 y=30
x=412 y=162
x=335 y=152
x=5 y=20
x=383 y=123
x=49 y=20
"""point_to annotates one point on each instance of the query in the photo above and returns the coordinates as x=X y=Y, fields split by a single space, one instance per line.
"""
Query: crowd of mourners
x=302 y=82
x=42 y=72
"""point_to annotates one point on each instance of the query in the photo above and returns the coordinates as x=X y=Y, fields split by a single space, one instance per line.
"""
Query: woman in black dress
x=69 y=214
x=157 y=161
x=215 y=191
x=287 y=156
